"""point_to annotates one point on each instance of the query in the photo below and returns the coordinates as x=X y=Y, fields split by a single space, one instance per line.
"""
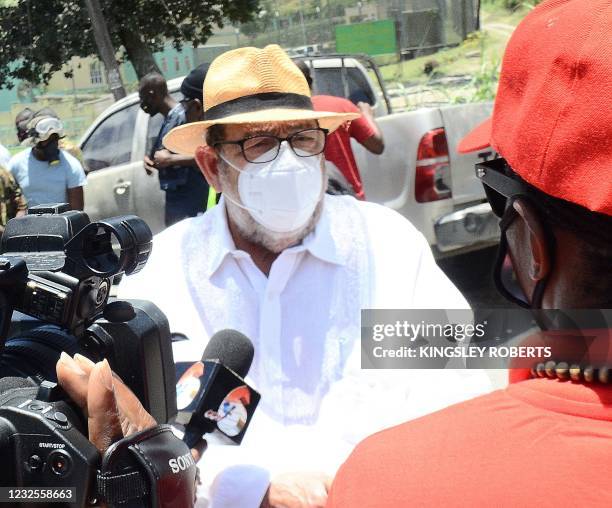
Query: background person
x=364 y=129
x=5 y=156
x=545 y=439
x=65 y=143
x=185 y=188
x=45 y=172
x=12 y=202
x=291 y=268
x=21 y=123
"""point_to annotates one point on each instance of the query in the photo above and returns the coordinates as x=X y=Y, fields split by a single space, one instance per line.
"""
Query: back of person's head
x=21 y=123
x=46 y=112
x=24 y=116
x=551 y=126
x=192 y=89
x=305 y=68
x=192 y=86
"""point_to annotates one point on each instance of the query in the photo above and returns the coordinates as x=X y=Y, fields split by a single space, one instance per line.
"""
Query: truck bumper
x=474 y=225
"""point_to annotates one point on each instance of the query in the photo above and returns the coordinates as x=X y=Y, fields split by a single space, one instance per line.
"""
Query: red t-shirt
x=540 y=442
x=338 y=149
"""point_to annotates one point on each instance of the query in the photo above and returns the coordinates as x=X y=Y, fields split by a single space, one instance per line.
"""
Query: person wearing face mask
x=291 y=268
x=185 y=188
x=45 y=172
x=547 y=438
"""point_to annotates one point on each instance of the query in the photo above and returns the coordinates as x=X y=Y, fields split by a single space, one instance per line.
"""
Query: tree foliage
x=37 y=38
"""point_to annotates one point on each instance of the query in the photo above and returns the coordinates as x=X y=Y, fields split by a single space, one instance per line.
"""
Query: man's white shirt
x=304 y=322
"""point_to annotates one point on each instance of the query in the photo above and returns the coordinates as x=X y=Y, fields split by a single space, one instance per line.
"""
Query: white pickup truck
x=420 y=174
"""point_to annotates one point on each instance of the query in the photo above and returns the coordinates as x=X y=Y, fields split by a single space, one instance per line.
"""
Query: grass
x=477 y=59
x=487 y=45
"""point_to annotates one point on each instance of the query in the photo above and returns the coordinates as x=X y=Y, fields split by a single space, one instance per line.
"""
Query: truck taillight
x=432 y=180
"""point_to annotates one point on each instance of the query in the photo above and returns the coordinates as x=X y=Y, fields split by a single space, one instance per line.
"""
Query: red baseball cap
x=552 y=119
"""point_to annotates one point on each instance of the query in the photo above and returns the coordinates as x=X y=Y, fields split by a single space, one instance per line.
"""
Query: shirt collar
x=222 y=242
x=321 y=243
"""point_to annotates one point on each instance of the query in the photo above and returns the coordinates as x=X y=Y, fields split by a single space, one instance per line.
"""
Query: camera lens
x=60 y=463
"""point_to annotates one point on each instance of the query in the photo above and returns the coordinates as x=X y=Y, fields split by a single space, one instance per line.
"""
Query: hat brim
x=478 y=138
x=34 y=140
x=186 y=138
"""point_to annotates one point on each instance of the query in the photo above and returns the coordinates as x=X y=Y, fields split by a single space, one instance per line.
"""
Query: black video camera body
x=59 y=267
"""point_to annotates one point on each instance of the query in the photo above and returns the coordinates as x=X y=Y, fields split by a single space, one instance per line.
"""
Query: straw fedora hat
x=251 y=85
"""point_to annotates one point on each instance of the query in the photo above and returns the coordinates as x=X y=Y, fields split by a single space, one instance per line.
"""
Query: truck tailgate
x=458 y=121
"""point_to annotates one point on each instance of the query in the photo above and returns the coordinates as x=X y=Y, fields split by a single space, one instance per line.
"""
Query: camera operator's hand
x=113 y=411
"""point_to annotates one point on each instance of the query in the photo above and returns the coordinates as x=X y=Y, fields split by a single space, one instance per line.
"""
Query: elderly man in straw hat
x=291 y=268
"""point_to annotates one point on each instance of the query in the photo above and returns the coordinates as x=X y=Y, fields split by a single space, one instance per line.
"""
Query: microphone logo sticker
x=189 y=385
x=232 y=416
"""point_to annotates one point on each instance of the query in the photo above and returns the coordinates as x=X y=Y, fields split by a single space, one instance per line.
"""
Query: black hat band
x=258 y=102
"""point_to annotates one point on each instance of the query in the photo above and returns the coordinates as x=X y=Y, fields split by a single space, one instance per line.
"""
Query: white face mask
x=280 y=195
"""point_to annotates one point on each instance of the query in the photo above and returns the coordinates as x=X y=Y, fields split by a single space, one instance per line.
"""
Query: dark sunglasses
x=501 y=191
x=499 y=185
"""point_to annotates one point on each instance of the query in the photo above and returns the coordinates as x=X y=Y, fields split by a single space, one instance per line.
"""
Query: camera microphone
x=212 y=395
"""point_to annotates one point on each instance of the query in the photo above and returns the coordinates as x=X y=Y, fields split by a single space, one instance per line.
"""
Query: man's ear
x=197 y=105
x=535 y=241
x=206 y=159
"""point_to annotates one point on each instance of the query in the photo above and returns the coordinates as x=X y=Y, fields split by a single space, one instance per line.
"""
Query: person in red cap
x=545 y=440
x=340 y=160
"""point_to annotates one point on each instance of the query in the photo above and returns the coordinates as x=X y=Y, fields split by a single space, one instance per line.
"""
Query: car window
x=111 y=143
x=329 y=81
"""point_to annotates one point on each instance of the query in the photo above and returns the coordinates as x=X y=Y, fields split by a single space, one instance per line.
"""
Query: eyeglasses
x=265 y=148
x=499 y=186
x=501 y=191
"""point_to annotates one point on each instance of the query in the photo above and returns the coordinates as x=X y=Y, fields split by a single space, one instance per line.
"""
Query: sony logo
x=181 y=463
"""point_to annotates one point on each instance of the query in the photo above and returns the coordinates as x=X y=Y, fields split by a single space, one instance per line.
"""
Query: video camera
x=58 y=267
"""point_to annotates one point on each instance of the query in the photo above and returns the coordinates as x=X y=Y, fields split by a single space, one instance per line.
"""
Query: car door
x=149 y=199
x=109 y=158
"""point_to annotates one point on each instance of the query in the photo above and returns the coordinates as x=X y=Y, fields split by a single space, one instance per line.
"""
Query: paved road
x=472 y=273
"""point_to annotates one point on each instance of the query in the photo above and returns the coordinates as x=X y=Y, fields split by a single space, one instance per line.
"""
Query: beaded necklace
x=575 y=372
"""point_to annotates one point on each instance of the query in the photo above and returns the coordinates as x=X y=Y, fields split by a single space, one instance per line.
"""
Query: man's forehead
x=275 y=128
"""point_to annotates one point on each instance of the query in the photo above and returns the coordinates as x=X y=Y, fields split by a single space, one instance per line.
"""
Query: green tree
x=37 y=38
x=261 y=22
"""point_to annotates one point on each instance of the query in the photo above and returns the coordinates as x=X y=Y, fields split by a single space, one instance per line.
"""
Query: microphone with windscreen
x=212 y=396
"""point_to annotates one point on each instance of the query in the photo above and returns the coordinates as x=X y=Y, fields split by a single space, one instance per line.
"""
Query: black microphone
x=211 y=395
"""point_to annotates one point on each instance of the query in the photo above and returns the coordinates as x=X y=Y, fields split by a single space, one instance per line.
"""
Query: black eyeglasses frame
x=280 y=140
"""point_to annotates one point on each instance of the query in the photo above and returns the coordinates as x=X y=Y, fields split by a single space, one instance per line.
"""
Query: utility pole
x=105 y=48
x=302 y=22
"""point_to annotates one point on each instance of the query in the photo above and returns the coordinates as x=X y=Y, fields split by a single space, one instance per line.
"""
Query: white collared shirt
x=304 y=321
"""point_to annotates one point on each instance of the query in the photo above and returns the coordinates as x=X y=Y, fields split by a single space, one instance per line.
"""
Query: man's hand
x=163 y=158
x=149 y=165
x=297 y=490
x=113 y=411
x=366 y=109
